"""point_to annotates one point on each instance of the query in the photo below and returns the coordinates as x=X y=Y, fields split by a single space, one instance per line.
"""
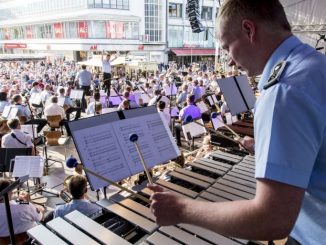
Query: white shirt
x=45 y=95
x=24 y=217
x=106 y=66
x=54 y=109
x=166 y=117
x=10 y=142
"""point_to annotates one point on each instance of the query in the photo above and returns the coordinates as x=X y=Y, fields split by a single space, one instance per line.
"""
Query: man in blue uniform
x=290 y=134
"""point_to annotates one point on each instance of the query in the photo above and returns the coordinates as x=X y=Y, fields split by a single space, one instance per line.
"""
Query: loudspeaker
x=192 y=9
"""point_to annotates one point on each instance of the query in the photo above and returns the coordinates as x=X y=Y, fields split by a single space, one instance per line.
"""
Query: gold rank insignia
x=277 y=72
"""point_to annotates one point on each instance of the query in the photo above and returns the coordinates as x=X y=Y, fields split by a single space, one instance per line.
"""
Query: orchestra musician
x=24 y=216
x=77 y=187
x=24 y=111
x=190 y=110
x=69 y=105
x=290 y=155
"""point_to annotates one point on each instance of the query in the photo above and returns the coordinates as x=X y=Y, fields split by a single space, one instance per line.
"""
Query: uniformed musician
x=290 y=135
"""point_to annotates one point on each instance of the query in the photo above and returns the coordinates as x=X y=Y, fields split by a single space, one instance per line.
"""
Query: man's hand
x=166 y=206
x=247 y=143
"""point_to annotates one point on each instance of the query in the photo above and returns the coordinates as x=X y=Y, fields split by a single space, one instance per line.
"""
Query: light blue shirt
x=82 y=205
x=290 y=133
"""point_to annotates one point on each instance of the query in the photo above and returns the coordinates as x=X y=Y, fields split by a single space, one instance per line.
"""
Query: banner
x=114 y=30
x=58 y=30
x=83 y=29
x=29 y=32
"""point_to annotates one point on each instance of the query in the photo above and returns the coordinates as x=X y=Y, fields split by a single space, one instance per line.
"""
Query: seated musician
x=182 y=98
x=132 y=103
x=46 y=93
x=69 y=105
x=166 y=116
x=54 y=109
x=16 y=138
x=90 y=110
x=190 y=110
x=124 y=105
x=196 y=91
x=78 y=189
x=24 y=111
x=24 y=216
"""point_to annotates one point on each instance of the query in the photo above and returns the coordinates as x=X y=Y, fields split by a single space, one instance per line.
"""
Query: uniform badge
x=277 y=72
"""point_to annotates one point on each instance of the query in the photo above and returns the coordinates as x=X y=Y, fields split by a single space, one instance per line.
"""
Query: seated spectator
x=77 y=187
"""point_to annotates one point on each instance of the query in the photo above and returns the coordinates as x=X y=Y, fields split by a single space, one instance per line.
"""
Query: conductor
x=290 y=135
x=106 y=68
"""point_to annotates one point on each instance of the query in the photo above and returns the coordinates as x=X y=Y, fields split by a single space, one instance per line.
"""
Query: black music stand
x=4 y=193
x=8 y=154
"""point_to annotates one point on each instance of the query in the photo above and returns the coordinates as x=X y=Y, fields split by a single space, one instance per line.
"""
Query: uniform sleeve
x=288 y=134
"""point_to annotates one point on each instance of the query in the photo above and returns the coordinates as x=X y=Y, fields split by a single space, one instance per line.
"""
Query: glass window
x=207 y=13
x=175 y=10
x=175 y=36
x=71 y=30
x=106 y=4
x=113 y=4
x=90 y=3
x=98 y=3
x=97 y=29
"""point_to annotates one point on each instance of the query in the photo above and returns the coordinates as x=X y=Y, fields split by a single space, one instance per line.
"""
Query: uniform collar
x=281 y=53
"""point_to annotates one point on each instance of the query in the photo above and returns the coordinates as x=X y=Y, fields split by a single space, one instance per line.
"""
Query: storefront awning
x=193 y=52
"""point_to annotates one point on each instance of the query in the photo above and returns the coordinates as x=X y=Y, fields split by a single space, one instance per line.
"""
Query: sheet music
x=234 y=119
x=76 y=94
x=194 y=129
x=145 y=98
x=115 y=100
x=202 y=106
x=6 y=111
x=214 y=99
x=13 y=113
x=61 y=101
x=210 y=100
x=217 y=122
x=167 y=90
x=104 y=146
x=28 y=165
x=237 y=94
x=36 y=98
x=28 y=128
x=228 y=118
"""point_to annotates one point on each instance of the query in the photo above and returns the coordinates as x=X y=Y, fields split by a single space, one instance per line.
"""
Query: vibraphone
x=220 y=177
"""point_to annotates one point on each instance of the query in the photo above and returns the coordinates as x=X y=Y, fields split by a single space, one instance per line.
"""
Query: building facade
x=75 y=28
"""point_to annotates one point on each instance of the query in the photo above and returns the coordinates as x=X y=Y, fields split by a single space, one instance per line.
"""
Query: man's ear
x=249 y=29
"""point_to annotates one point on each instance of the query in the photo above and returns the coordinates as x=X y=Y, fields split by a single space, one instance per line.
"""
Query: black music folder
x=237 y=93
x=104 y=147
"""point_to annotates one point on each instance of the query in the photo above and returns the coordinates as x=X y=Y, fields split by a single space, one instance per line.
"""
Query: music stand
x=192 y=130
x=4 y=193
x=8 y=154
